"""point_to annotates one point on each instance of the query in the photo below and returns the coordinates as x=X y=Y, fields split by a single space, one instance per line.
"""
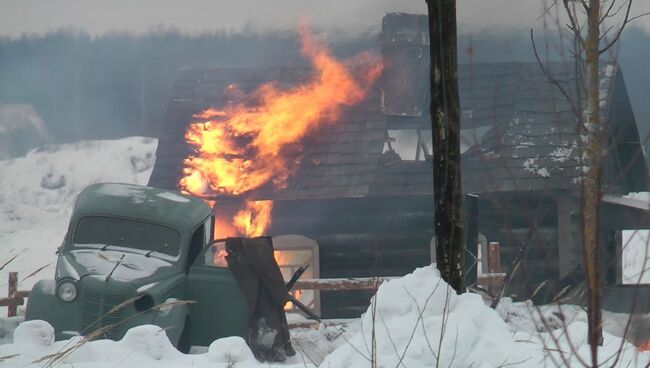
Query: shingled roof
x=522 y=129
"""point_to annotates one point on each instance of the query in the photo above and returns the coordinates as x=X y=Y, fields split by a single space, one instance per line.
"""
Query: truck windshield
x=111 y=231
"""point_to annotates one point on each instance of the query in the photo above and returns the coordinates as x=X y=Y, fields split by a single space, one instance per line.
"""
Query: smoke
x=119 y=84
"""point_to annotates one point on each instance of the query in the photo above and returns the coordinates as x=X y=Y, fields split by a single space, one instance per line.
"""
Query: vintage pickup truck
x=132 y=255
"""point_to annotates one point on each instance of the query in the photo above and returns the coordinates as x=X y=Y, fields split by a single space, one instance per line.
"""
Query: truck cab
x=137 y=255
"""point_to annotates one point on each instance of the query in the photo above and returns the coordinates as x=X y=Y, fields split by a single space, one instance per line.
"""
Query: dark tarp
x=254 y=267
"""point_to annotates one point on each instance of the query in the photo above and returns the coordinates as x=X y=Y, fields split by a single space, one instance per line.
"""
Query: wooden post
x=493 y=278
x=445 y=120
x=494 y=258
x=12 y=310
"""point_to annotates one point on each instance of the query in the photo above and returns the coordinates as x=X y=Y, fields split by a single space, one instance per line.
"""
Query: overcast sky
x=99 y=16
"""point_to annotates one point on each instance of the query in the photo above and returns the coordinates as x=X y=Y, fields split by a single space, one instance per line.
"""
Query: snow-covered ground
x=420 y=322
x=37 y=192
x=416 y=321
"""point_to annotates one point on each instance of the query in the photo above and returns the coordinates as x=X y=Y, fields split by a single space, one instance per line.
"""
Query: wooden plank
x=492 y=282
x=360 y=283
x=22 y=294
x=494 y=258
x=326 y=322
x=11 y=303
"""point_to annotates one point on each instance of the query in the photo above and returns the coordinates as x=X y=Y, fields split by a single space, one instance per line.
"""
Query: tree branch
x=626 y=21
x=574 y=25
x=550 y=76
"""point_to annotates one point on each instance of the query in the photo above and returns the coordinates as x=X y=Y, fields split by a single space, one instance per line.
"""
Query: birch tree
x=587 y=23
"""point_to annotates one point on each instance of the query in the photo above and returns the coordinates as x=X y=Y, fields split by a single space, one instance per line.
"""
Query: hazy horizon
x=97 y=17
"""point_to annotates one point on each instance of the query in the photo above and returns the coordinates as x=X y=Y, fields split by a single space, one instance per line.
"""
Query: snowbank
x=37 y=193
x=142 y=346
x=410 y=314
x=7 y=327
x=418 y=321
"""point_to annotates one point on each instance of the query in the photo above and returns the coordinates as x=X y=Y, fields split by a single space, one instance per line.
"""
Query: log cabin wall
x=513 y=219
x=360 y=237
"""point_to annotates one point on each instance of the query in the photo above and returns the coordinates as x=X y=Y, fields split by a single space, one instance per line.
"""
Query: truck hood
x=113 y=265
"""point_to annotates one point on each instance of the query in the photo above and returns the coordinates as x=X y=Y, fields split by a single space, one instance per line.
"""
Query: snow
x=48 y=287
x=173 y=197
x=7 y=327
x=133 y=266
x=417 y=321
x=641 y=196
x=34 y=333
x=230 y=350
x=38 y=191
x=563 y=154
x=635 y=257
x=142 y=346
x=531 y=166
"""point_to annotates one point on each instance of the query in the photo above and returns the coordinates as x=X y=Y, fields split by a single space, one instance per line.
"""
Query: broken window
x=472 y=137
x=407 y=145
x=292 y=252
x=215 y=256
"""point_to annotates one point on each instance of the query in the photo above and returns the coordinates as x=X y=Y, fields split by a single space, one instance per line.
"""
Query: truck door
x=220 y=309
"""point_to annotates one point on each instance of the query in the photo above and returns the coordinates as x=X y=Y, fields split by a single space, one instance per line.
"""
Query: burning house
x=334 y=160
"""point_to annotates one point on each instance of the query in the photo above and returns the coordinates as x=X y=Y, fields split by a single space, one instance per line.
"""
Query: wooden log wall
x=360 y=237
x=507 y=218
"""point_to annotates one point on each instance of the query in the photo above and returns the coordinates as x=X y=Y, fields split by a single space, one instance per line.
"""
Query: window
x=472 y=136
x=117 y=232
x=416 y=144
x=209 y=233
x=215 y=256
x=196 y=245
x=291 y=252
x=407 y=145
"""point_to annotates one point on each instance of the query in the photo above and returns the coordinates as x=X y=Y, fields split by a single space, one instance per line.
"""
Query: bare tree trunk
x=593 y=151
x=445 y=118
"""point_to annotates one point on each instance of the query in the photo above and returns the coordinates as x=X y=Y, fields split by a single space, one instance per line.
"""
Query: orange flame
x=253 y=141
x=255 y=219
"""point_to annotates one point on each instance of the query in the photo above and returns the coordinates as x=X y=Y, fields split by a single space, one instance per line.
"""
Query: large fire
x=255 y=139
x=254 y=219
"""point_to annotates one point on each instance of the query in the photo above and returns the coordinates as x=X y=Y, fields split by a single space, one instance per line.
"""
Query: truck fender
x=171 y=317
x=41 y=301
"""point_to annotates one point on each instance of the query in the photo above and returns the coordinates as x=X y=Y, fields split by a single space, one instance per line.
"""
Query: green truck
x=136 y=255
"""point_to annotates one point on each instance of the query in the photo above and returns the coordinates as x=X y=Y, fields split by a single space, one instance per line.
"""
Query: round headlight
x=67 y=291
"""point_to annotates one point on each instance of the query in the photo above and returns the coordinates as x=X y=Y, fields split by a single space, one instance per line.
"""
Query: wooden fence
x=14 y=297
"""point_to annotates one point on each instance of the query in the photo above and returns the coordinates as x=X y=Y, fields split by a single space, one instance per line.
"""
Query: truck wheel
x=185 y=341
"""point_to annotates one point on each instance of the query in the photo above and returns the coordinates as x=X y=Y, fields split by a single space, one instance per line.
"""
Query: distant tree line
x=118 y=84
